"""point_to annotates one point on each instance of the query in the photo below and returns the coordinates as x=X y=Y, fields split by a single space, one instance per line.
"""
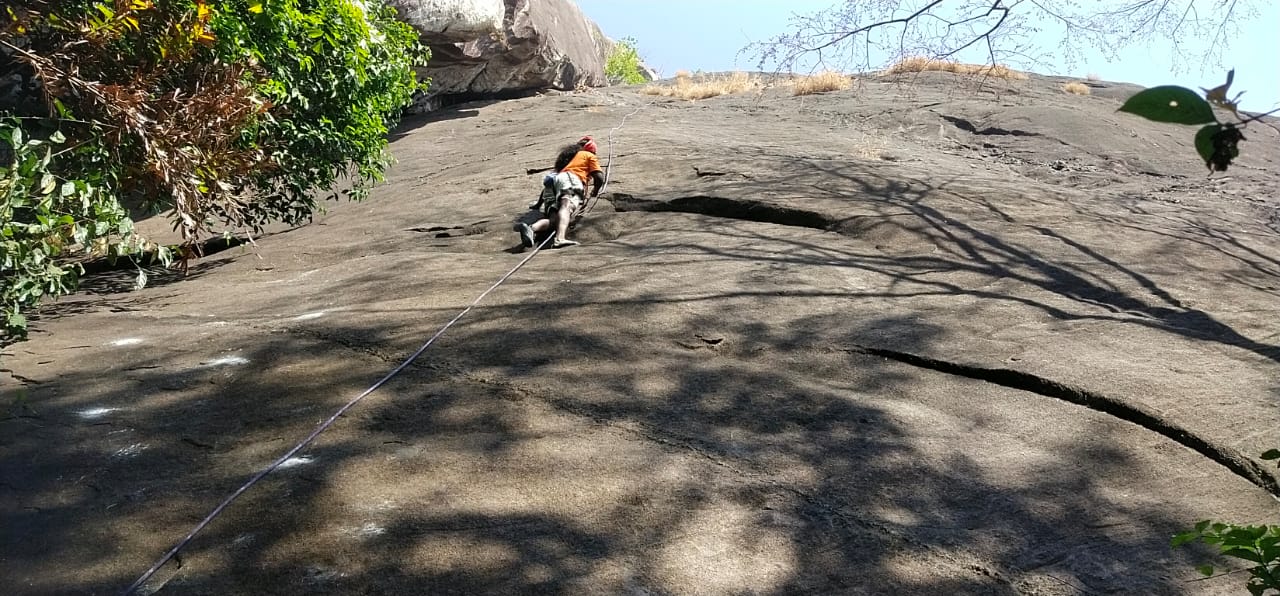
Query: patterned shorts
x=567 y=187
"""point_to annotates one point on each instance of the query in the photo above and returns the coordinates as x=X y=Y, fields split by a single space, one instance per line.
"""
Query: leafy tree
x=623 y=64
x=223 y=114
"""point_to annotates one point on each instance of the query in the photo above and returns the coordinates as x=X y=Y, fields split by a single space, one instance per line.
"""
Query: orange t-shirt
x=582 y=165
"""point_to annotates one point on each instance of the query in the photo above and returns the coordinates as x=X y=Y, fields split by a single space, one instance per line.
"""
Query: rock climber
x=565 y=193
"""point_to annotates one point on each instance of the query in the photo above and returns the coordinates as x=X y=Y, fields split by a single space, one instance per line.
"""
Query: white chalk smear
x=368 y=530
x=289 y=281
x=227 y=361
x=310 y=315
x=95 y=413
x=296 y=461
x=127 y=341
x=130 y=451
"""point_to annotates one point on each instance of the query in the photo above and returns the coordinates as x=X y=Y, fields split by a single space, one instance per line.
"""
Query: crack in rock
x=751 y=210
x=728 y=208
x=1225 y=456
x=968 y=126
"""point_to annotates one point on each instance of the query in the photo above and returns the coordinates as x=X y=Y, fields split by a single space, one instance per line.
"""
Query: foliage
x=43 y=215
x=1217 y=142
x=623 y=63
x=1259 y=545
x=231 y=113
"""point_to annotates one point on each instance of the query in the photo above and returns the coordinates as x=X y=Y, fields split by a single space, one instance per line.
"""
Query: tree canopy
x=223 y=114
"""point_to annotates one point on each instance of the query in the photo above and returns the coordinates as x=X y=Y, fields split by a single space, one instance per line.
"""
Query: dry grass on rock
x=703 y=87
x=1076 y=88
x=821 y=83
x=922 y=64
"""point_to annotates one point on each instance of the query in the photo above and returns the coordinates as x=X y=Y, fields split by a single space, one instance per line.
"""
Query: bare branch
x=880 y=31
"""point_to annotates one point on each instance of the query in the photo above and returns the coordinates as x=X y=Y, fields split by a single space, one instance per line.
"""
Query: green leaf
x=1183 y=538
x=57 y=137
x=1243 y=553
x=1271 y=454
x=1205 y=570
x=1204 y=142
x=1170 y=103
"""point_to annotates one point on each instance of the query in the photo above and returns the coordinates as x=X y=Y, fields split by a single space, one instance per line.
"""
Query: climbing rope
x=350 y=404
x=324 y=425
x=591 y=203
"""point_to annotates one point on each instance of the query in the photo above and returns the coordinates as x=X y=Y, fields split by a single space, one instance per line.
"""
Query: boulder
x=649 y=73
x=545 y=44
x=450 y=21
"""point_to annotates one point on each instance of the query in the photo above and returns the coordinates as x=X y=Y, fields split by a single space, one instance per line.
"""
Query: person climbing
x=575 y=167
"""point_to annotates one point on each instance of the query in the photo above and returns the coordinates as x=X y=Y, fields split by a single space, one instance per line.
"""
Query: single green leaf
x=1271 y=454
x=1268 y=546
x=1243 y=553
x=1204 y=143
x=1205 y=570
x=1170 y=103
x=1183 y=538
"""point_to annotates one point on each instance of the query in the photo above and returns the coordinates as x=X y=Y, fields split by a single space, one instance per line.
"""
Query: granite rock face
x=543 y=44
x=933 y=334
x=452 y=21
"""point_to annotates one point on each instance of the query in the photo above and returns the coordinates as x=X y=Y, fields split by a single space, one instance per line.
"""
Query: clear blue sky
x=708 y=34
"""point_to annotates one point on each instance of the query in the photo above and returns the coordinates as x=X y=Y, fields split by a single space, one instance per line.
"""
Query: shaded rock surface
x=811 y=345
x=545 y=44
